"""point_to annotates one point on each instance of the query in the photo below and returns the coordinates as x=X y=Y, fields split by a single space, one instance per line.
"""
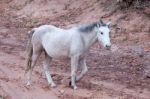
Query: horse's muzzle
x=108 y=47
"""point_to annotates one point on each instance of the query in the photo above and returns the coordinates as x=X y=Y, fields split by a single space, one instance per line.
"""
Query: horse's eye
x=102 y=33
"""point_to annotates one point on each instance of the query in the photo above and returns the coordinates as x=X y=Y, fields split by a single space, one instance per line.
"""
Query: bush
x=134 y=3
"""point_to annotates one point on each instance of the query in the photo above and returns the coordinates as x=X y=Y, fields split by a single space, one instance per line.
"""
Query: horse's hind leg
x=35 y=55
x=84 y=69
x=47 y=72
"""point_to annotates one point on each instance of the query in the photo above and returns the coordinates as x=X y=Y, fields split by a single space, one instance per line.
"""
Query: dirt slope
x=123 y=73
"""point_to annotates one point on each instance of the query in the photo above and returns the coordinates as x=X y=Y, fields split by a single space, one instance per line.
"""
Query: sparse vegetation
x=134 y=3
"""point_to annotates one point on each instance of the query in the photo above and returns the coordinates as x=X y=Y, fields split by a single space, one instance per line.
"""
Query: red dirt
x=122 y=73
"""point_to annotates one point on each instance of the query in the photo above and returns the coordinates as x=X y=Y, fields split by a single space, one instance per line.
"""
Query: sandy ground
x=122 y=73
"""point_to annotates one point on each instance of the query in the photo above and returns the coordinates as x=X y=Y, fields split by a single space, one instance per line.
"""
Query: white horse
x=70 y=44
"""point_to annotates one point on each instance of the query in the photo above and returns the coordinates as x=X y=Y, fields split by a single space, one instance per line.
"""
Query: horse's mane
x=89 y=27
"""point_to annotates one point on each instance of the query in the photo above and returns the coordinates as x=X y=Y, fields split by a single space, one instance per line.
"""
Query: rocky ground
x=122 y=73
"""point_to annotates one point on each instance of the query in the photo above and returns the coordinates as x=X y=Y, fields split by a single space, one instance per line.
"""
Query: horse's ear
x=101 y=21
x=108 y=24
x=98 y=25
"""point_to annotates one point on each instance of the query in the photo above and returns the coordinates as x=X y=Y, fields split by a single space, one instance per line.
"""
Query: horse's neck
x=89 y=39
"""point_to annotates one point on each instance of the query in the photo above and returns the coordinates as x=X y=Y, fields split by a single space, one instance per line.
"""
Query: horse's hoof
x=69 y=83
x=28 y=83
x=53 y=85
x=75 y=87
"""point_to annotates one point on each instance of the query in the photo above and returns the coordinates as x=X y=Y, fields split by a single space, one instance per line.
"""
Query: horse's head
x=103 y=32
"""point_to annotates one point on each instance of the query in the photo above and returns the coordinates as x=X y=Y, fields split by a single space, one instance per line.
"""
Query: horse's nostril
x=108 y=46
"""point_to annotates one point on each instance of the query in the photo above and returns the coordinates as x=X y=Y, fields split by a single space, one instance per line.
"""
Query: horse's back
x=45 y=28
x=42 y=31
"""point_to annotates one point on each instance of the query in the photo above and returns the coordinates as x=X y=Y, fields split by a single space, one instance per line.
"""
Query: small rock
x=62 y=91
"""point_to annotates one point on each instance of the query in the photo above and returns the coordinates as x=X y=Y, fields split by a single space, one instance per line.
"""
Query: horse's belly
x=58 y=53
x=55 y=50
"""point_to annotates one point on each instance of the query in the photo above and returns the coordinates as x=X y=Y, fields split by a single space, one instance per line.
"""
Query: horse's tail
x=29 y=50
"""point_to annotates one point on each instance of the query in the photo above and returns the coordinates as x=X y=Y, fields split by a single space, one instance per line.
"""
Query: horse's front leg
x=74 y=65
x=84 y=69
